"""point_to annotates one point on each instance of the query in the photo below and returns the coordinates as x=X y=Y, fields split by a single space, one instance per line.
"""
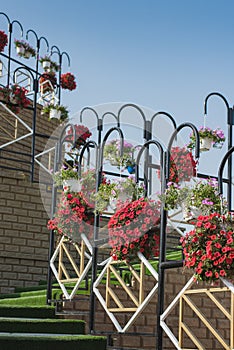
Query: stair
x=37 y=328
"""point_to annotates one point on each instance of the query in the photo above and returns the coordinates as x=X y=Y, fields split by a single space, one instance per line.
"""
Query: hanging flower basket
x=216 y=138
x=72 y=185
x=112 y=154
x=205 y=144
x=3 y=40
x=48 y=65
x=82 y=135
x=182 y=165
x=68 y=81
x=23 y=49
x=59 y=112
x=73 y=217
x=135 y=228
x=209 y=248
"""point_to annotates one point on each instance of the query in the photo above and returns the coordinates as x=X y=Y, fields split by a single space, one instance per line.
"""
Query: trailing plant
x=67 y=81
x=209 y=248
x=73 y=217
x=82 y=134
x=135 y=228
x=216 y=135
x=3 y=40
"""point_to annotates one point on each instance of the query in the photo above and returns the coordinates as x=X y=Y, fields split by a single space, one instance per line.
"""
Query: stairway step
x=27 y=311
x=55 y=326
x=25 y=341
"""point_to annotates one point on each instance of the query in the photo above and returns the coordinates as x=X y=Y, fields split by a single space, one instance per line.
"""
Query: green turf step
x=27 y=312
x=28 y=341
x=59 y=326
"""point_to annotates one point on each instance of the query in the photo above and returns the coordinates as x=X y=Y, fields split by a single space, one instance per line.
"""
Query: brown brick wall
x=146 y=322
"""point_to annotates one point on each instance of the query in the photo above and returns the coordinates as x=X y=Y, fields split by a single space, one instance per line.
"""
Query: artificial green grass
x=59 y=326
x=80 y=342
x=27 y=311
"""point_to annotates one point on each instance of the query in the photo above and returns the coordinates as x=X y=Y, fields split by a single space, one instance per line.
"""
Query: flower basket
x=209 y=248
x=205 y=144
x=135 y=228
x=55 y=114
x=112 y=153
x=82 y=135
x=23 y=49
x=68 y=81
x=3 y=40
x=215 y=136
x=72 y=185
x=20 y=50
x=46 y=65
x=73 y=217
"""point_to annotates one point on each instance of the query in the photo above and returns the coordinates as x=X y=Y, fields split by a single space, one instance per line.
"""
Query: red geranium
x=134 y=228
x=73 y=217
x=15 y=97
x=68 y=81
x=82 y=134
x=182 y=165
x=209 y=247
x=3 y=40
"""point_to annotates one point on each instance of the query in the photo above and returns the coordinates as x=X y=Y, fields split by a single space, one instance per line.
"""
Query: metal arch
x=145 y=146
x=56 y=47
x=221 y=168
x=90 y=109
x=110 y=113
x=104 y=142
x=138 y=109
x=38 y=39
x=166 y=114
x=8 y=19
x=214 y=94
x=86 y=146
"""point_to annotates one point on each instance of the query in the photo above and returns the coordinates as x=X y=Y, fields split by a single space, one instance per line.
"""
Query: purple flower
x=206 y=201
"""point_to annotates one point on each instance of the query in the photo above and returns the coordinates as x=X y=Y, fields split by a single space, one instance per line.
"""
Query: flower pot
x=55 y=114
x=113 y=203
x=27 y=54
x=20 y=50
x=205 y=144
x=73 y=185
x=46 y=65
x=131 y=169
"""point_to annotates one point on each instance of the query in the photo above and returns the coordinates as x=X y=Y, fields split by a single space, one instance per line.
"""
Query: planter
x=131 y=169
x=73 y=184
x=27 y=54
x=205 y=144
x=20 y=50
x=46 y=65
x=55 y=114
x=113 y=203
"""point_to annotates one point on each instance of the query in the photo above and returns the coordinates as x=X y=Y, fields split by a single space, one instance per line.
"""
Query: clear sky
x=163 y=54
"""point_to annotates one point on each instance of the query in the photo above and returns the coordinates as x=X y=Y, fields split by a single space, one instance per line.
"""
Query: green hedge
x=58 y=326
x=27 y=312
x=81 y=342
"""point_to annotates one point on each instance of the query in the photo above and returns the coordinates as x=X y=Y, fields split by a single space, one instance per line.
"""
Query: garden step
x=32 y=325
x=25 y=341
x=27 y=311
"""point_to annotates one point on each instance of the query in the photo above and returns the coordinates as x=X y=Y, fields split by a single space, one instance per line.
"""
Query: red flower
x=209 y=247
x=82 y=134
x=3 y=40
x=131 y=230
x=182 y=165
x=68 y=81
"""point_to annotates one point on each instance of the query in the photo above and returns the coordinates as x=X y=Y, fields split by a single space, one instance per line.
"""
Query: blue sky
x=163 y=54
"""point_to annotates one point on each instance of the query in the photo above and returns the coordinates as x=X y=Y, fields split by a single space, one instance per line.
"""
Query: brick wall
x=147 y=321
x=24 y=238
